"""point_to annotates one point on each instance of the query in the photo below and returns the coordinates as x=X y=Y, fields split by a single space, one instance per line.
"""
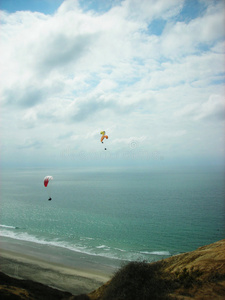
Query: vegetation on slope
x=199 y=274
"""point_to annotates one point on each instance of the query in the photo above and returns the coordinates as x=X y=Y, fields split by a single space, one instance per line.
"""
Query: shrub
x=137 y=281
x=187 y=278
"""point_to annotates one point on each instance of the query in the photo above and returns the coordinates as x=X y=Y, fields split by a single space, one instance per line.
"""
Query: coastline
x=198 y=274
x=76 y=273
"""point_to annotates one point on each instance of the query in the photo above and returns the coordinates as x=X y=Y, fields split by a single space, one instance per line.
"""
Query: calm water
x=115 y=214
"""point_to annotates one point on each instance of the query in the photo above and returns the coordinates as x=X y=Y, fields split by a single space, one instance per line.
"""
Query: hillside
x=194 y=275
x=199 y=274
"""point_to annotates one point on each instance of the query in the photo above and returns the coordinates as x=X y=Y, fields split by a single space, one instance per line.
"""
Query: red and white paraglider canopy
x=47 y=179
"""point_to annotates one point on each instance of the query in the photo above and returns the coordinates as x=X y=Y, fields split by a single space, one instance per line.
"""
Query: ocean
x=112 y=216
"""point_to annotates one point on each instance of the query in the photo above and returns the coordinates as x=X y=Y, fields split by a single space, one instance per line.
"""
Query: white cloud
x=147 y=10
x=212 y=109
x=74 y=73
x=67 y=6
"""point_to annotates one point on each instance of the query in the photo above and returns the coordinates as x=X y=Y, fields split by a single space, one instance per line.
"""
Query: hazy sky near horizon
x=150 y=73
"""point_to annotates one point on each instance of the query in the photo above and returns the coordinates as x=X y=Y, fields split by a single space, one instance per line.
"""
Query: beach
x=26 y=261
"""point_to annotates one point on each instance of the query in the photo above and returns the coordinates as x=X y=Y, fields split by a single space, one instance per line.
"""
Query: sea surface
x=115 y=214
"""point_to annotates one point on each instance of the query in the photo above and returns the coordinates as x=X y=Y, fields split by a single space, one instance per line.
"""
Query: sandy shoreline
x=57 y=275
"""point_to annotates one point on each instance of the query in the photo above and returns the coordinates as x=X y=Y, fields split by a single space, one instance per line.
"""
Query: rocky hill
x=194 y=275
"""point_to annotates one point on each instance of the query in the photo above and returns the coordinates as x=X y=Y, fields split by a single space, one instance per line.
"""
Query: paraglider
x=104 y=136
x=47 y=184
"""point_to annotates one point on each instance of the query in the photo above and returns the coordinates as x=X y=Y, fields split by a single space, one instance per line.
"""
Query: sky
x=150 y=73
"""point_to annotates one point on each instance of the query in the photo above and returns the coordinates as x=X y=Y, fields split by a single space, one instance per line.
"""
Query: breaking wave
x=8 y=226
x=85 y=245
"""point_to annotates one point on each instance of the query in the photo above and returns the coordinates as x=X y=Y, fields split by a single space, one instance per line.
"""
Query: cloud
x=148 y=10
x=26 y=96
x=69 y=75
x=29 y=143
x=213 y=109
x=29 y=119
x=195 y=35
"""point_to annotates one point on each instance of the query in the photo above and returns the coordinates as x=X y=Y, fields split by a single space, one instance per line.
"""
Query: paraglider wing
x=47 y=179
x=103 y=136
